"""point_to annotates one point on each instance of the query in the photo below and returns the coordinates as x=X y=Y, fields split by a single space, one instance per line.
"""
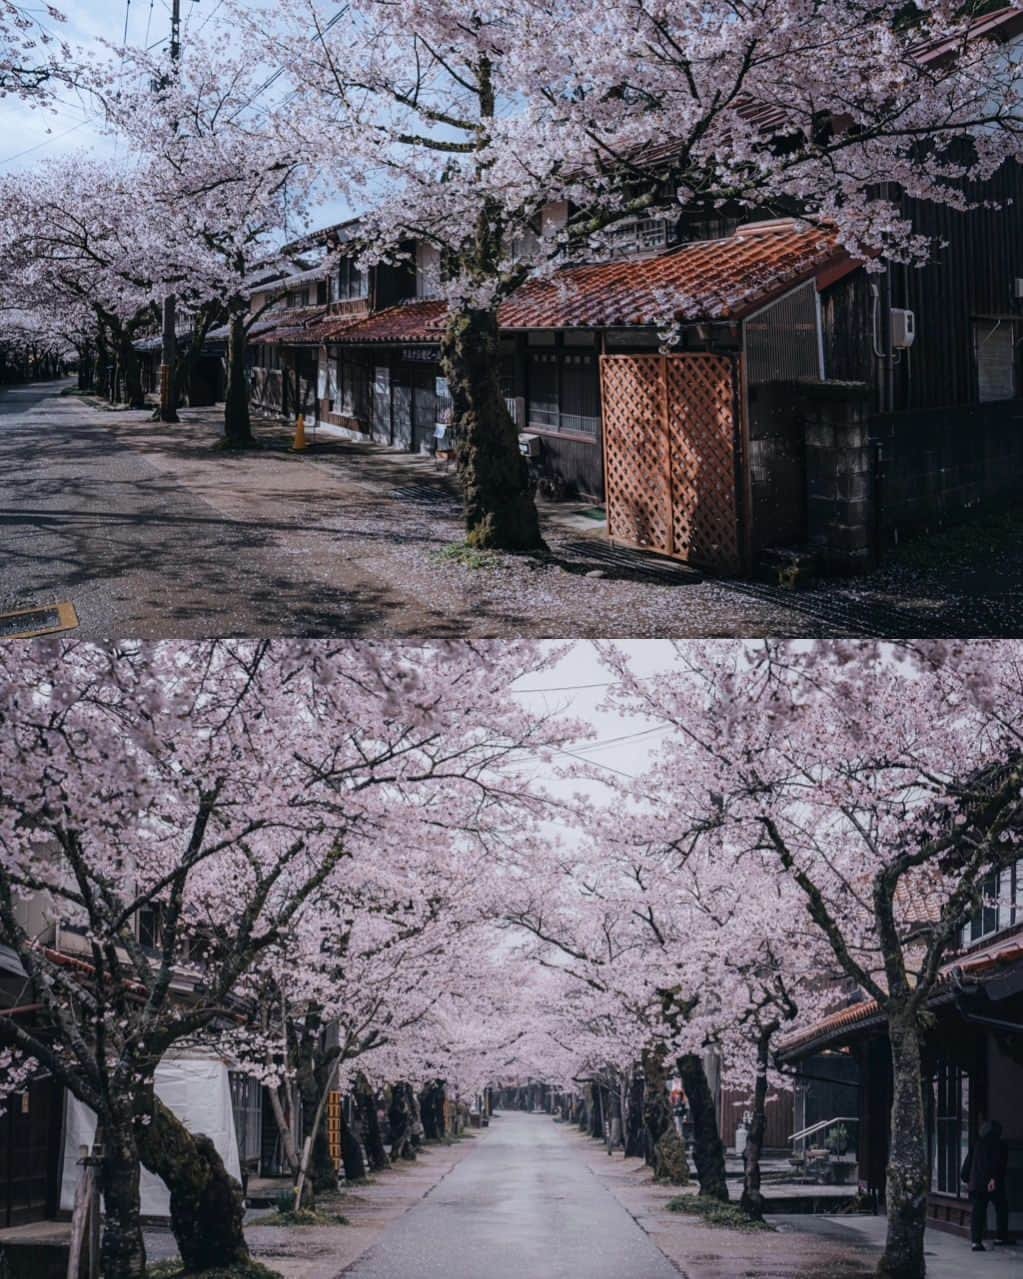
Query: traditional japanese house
x=973 y=1061
x=731 y=387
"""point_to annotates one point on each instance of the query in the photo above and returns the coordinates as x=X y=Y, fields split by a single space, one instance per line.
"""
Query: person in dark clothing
x=984 y=1172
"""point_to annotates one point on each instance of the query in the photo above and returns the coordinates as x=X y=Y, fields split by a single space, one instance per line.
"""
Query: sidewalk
x=303 y=1252
x=802 y=1245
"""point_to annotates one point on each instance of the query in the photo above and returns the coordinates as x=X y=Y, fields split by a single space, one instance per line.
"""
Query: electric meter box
x=903 y=329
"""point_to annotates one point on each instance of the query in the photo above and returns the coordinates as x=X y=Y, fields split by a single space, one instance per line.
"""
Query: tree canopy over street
x=395 y=845
x=463 y=129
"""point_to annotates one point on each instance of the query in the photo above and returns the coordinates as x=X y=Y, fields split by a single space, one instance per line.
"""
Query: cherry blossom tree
x=869 y=775
x=77 y=236
x=224 y=175
x=220 y=790
x=831 y=112
x=30 y=54
x=399 y=104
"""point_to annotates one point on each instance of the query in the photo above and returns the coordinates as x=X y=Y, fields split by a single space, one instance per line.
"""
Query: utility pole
x=169 y=350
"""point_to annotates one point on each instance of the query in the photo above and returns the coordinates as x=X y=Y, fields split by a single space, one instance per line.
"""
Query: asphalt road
x=522 y=1205
x=88 y=519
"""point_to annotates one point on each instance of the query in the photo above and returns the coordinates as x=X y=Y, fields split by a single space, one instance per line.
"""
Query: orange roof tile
x=709 y=280
x=974 y=963
x=408 y=322
x=292 y=325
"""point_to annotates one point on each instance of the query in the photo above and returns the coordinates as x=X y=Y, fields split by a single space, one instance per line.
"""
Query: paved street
x=524 y=1203
x=152 y=531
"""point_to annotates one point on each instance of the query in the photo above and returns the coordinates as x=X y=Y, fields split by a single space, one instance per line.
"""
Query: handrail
x=824 y=1123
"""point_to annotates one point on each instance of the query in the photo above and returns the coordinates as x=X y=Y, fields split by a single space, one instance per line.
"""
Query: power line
x=55 y=137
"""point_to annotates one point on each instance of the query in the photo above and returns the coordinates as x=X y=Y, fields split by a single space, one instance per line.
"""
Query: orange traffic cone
x=300 y=441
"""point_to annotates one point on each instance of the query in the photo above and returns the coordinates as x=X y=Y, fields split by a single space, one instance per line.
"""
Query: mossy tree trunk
x=431 y=1107
x=499 y=507
x=665 y=1151
x=352 y=1157
x=906 y=1186
x=122 y=1251
x=207 y=1208
x=708 y=1148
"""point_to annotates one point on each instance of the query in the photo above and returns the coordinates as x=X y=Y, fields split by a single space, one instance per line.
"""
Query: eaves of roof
x=974 y=964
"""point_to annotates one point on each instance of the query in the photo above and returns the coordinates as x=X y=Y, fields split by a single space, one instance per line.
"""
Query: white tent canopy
x=198 y=1090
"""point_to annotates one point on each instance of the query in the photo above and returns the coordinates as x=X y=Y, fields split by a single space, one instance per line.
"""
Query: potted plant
x=841 y=1163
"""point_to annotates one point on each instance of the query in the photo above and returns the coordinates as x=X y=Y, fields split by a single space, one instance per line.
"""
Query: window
x=1002 y=906
x=298 y=297
x=427 y=270
x=353 y=389
x=150 y=930
x=994 y=346
x=639 y=235
x=950 y=1128
x=564 y=391
x=352 y=283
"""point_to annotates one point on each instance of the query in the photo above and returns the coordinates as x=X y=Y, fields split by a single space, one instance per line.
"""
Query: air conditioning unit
x=529 y=445
x=903 y=329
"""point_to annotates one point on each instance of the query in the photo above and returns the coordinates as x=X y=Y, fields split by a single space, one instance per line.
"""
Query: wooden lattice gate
x=671 y=449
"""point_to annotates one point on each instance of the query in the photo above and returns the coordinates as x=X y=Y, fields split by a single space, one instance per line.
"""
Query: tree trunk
x=282 y=1118
x=351 y=1153
x=431 y=1107
x=122 y=1252
x=371 y=1138
x=665 y=1151
x=906 y=1187
x=237 y=422
x=127 y=356
x=207 y=1208
x=499 y=508
x=635 y=1142
x=399 y=1116
x=596 y=1112
x=752 y=1200
x=708 y=1148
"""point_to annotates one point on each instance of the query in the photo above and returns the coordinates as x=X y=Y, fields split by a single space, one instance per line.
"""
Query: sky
x=28 y=135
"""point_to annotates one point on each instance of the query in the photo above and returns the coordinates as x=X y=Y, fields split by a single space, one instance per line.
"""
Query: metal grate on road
x=30 y=623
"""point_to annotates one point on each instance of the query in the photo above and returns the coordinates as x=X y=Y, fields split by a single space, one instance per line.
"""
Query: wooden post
x=85 y=1221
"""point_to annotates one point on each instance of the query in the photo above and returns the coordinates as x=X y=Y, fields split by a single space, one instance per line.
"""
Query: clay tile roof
x=708 y=280
x=974 y=963
x=409 y=322
x=292 y=325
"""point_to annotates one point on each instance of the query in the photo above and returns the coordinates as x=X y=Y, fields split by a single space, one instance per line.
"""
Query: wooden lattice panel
x=701 y=433
x=670 y=455
x=636 y=451
x=334 y=1127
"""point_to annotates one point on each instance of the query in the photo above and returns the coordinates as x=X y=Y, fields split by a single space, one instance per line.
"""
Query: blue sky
x=28 y=136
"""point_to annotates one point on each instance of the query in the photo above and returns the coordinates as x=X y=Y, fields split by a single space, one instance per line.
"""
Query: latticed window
x=783 y=340
x=950 y=1128
x=351 y=282
x=994 y=346
x=564 y=391
x=1002 y=905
